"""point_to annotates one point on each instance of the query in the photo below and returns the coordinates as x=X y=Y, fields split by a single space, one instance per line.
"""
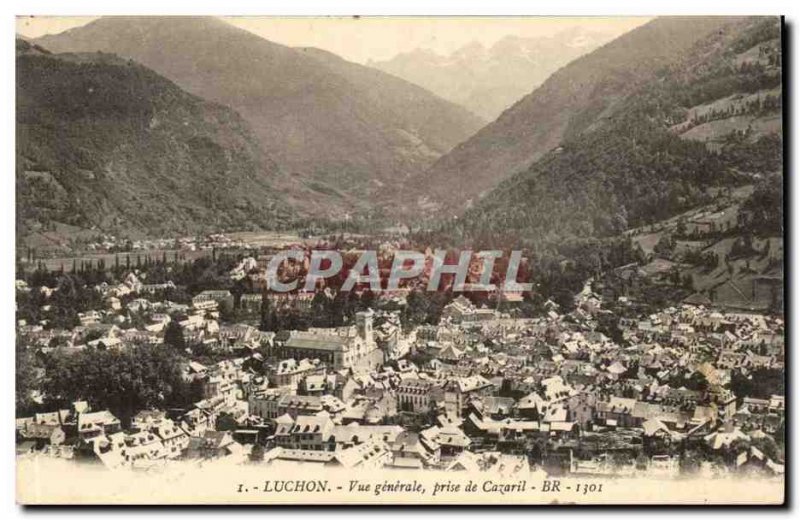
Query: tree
x=415 y=312
x=267 y=315
x=768 y=447
x=367 y=300
x=257 y=453
x=760 y=383
x=173 y=336
x=321 y=313
x=121 y=381
x=780 y=434
x=680 y=229
x=620 y=459
x=27 y=379
x=565 y=300
x=690 y=461
x=226 y=422
x=688 y=282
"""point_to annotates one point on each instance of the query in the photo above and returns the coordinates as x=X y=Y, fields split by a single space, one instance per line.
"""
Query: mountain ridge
x=104 y=143
x=577 y=97
x=708 y=121
x=349 y=134
x=488 y=80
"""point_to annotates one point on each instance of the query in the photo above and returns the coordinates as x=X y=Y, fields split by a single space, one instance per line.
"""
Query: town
x=141 y=366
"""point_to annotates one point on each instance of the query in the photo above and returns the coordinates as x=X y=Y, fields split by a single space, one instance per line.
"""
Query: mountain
x=104 y=143
x=350 y=134
x=674 y=194
x=704 y=122
x=576 y=98
x=489 y=80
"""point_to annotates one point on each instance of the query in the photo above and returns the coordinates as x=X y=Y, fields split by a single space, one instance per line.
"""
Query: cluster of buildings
x=479 y=391
x=112 y=243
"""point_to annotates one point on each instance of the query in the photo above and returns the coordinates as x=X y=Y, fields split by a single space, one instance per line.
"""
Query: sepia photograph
x=410 y=260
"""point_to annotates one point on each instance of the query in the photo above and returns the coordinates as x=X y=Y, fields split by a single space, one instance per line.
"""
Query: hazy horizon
x=378 y=38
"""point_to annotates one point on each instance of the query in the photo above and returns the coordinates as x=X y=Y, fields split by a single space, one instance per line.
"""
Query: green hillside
x=642 y=165
x=104 y=143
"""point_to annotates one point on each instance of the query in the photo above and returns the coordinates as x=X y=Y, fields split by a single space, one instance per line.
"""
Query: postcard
x=400 y=260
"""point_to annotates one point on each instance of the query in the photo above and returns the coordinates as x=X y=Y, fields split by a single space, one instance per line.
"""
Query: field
x=60 y=257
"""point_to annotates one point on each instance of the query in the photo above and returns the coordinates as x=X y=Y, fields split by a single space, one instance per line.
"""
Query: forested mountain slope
x=662 y=151
x=104 y=143
x=349 y=134
x=580 y=97
x=701 y=142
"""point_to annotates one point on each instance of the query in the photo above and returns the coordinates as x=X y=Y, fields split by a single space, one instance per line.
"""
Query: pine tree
x=267 y=316
x=173 y=336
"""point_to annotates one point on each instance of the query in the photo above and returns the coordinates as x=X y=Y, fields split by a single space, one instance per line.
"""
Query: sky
x=380 y=38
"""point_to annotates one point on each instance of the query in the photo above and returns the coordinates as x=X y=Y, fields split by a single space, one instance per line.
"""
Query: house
x=354 y=434
x=211 y=300
x=194 y=370
x=280 y=457
x=89 y=318
x=290 y=372
x=251 y=302
x=724 y=437
x=451 y=440
x=371 y=454
x=466 y=461
x=311 y=433
x=43 y=434
x=409 y=452
x=113 y=303
x=265 y=404
x=494 y=407
x=299 y=405
x=459 y=390
x=173 y=438
x=317 y=384
x=147 y=419
x=532 y=406
x=616 y=412
x=415 y=395
x=211 y=445
x=92 y=424
x=25 y=448
x=461 y=310
x=143 y=449
x=196 y=422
